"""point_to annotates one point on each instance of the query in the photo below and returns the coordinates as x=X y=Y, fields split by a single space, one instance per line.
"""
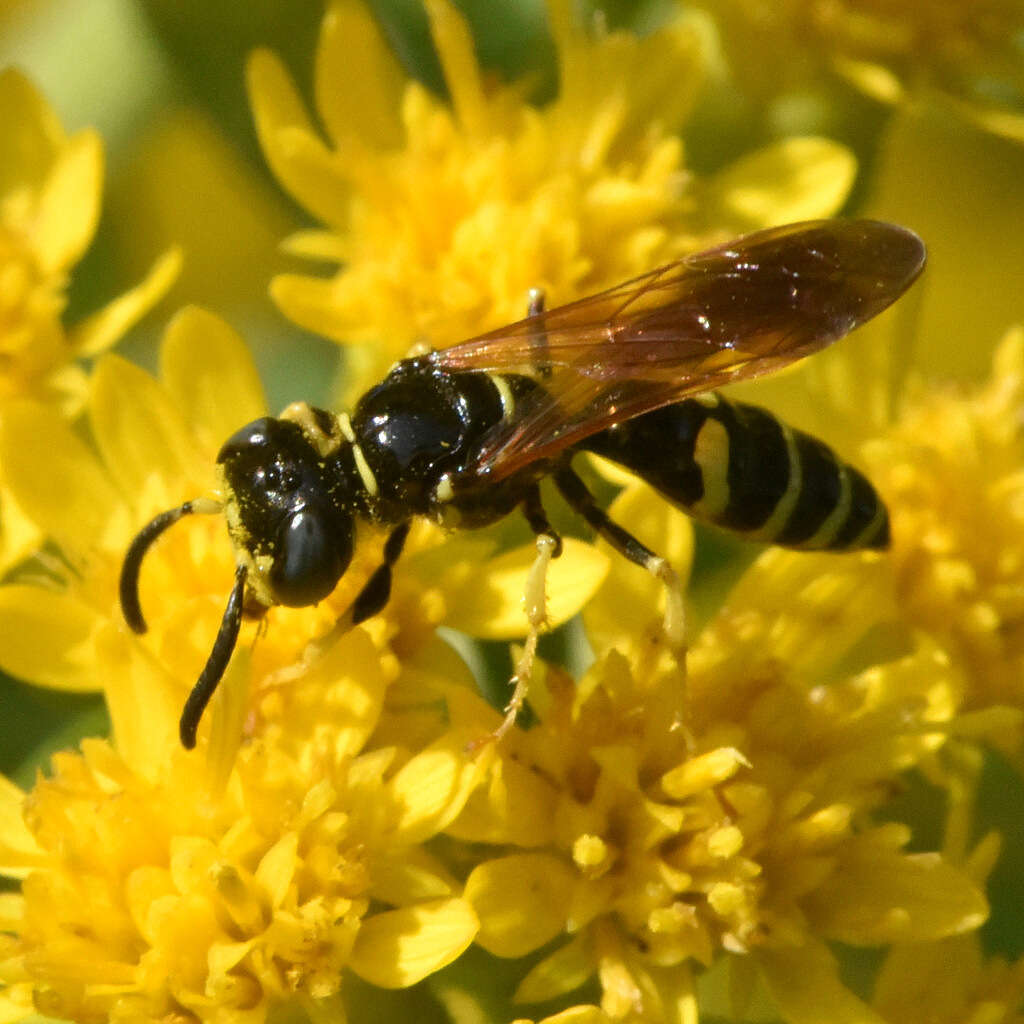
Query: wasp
x=464 y=435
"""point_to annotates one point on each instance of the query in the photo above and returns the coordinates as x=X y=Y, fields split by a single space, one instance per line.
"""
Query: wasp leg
x=549 y=545
x=575 y=492
x=377 y=590
x=538 y=338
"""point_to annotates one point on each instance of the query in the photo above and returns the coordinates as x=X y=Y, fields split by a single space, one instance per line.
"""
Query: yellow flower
x=252 y=873
x=157 y=882
x=949 y=461
x=154 y=448
x=50 y=187
x=970 y=53
x=147 y=896
x=948 y=982
x=657 y=832
x=951 y=467
x=953 y=979
x=444 y=215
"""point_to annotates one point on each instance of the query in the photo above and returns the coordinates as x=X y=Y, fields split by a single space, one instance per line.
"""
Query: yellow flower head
x=952 y=470
x=250 y=873
x=154 y=448
x=148 y=896
x=444 y=214
x=156 y=443
x=50 y=188
x=664 y=821
x=955 y=978
x=949 y=981
x=971 y=53
x=244 y=876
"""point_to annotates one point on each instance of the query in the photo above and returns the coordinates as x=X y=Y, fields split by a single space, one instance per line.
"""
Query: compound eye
x=252 y=436
x=309 y=558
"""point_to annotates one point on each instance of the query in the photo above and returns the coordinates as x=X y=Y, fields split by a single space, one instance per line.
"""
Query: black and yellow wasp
x=464 y=435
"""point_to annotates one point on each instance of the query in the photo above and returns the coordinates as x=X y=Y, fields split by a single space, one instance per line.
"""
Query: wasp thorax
x=287 y=512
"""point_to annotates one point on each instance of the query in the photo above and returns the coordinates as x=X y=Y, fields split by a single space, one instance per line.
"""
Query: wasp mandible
x=464 y=435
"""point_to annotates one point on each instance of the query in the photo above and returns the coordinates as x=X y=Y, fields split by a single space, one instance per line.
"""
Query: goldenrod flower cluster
x=660 y=838
x=968 y=55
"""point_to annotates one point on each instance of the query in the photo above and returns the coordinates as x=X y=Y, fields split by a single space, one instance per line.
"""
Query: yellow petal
x=921 y=980
x=794 y=179
x=343 y=688
x=359 y=82
x=48 y=638
x=143 y=438
x=995 y=119
x=18 y=848
x=401 y=947
x=69 y=203
x=310 y=303
x=522 y=901
x=12 y=911
x=804 y=982
x=874 y=80
x=893 y=897
x=454 y=44
x=102 y=329
x=276 y=869
x=59 y=483
x=31 y=135
x=144 y=701
x=281 y=117
x=412 y=876
x=490 y=604
x=207 y=369
x=19 y=536
x=327 y=246
x=703 y=771
x=16 y=1004
x=431 y=789
x=565 y=970
x=515 y=804
x=818 y=604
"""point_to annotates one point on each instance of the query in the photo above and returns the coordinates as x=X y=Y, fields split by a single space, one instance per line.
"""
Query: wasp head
x=285 y=506
x=284 y=498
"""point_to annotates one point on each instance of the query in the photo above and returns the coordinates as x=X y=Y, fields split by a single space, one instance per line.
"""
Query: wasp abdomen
x=741 y=468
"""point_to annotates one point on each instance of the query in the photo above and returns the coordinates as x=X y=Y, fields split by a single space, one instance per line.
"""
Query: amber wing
x=738 y=311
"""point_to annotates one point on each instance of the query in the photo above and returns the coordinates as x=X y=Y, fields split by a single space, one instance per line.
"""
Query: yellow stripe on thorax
x=362 y=466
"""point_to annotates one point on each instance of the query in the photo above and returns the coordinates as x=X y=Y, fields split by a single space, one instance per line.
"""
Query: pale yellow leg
x=675 y=606
x=674 y=629
x=535 y=602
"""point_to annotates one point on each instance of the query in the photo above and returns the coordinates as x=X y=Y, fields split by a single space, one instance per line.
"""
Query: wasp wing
x=737 y=311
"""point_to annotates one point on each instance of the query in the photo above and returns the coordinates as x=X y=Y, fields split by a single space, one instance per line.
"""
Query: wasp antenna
x=223 y=648
x=129 y=584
